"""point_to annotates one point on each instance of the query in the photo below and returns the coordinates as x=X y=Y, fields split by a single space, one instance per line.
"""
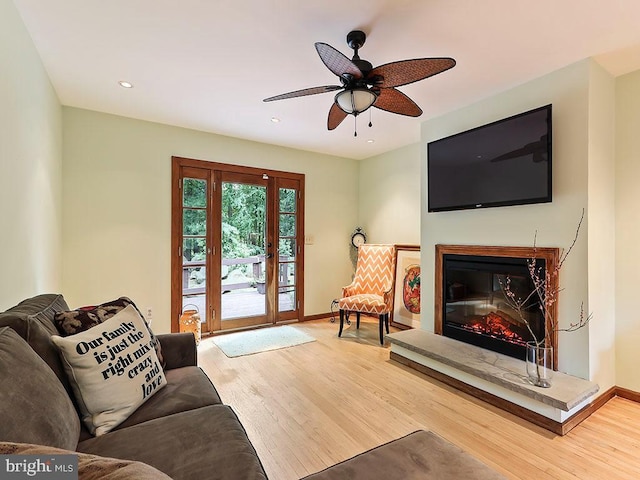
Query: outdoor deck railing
x=256 y=261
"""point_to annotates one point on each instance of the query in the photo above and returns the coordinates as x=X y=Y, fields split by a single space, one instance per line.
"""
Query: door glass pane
x=194 y=222
x=244 y=218
x=287 y=225
x=196 y=302
x=194 y=249
x=286 y=287
x=287 y=249
x=194 y=193
x=193 y=280
x=287 y=219
x=194 y=288
x=287 y=276
x=287 y=200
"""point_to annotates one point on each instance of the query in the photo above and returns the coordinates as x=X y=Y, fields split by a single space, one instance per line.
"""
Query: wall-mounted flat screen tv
x=507 y=162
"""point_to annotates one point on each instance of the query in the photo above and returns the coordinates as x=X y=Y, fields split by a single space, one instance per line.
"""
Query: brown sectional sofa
x=184 y=430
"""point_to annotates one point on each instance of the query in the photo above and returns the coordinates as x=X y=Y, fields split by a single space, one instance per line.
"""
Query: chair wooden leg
x=386 y=321
x=382 y=329
x=357 y=319
x=341 y=322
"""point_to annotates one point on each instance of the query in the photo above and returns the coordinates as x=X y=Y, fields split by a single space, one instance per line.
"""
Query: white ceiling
x=207 y=64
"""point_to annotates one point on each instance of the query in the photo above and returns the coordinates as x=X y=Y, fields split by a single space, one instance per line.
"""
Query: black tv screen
x=507 y=162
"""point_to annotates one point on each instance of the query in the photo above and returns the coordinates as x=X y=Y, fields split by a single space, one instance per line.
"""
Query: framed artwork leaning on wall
x=406 y=301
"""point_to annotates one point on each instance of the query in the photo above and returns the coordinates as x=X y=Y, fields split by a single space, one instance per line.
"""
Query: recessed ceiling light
x=371 y=140
x=275 y=119
x=124 y=84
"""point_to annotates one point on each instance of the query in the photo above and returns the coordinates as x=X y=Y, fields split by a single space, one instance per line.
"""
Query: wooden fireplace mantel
x=550 y=255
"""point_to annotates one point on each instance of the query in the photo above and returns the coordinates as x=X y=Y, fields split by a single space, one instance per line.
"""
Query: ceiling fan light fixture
x=355 y=100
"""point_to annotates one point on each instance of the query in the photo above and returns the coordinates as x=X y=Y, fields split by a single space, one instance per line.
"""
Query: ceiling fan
x=364 y=86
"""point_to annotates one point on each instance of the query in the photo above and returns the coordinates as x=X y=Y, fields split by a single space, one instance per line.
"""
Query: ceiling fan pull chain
x=370 y=124
x=355 y=125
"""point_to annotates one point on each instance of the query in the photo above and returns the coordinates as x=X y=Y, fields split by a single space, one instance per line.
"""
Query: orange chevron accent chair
x=372 y=288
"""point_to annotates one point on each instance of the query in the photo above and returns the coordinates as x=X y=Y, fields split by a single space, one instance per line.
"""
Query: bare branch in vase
x=546 y=295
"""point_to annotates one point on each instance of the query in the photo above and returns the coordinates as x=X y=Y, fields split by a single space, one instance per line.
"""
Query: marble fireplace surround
x=493 y=377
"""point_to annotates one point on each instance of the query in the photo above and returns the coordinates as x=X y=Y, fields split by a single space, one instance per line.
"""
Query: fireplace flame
x=494 y=325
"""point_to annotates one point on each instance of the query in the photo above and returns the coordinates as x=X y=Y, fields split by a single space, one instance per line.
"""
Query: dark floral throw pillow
x=84 y=318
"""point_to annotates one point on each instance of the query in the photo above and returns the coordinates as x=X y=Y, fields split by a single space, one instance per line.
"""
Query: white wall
x=117 y=208
x=627 y=231
x=568 y=90
x=30 y=167
x=601 y=226
x=389 y=196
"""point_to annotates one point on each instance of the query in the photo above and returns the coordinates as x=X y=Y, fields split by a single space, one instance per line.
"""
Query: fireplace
x=471 y=305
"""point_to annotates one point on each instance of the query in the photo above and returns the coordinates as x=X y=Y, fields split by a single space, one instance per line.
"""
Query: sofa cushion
x=32 y=319
x=34 y=406
x=205 y=443
x=113 y=369
x=75 y=321
x=420 y=455
x=187 y=388
x=90 y=467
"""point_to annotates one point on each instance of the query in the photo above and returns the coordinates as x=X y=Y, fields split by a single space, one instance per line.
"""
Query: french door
x=237 y=249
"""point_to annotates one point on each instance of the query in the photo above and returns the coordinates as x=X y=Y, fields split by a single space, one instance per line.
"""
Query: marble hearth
x=495 y=378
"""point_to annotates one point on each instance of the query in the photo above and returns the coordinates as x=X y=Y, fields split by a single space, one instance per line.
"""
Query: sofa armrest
x=178 y=350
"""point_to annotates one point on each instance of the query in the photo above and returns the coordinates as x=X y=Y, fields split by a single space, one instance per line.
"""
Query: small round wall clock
x=358 y=237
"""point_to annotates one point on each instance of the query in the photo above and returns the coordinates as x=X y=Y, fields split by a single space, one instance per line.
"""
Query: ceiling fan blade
x=395 y=101
x=303 y=92
x=336 y=116
x=336 y=61
x=395 y=74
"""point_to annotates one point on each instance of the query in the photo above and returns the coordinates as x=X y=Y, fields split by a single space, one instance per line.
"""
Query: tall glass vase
x=539 y=364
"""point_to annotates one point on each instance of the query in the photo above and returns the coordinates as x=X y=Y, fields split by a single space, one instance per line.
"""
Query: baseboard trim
x=540 y=420
x=317 y=316
x=400 y=326
x=628 y=394
x=586 y=412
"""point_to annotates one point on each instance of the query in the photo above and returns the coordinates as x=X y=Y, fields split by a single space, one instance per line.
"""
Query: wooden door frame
x=281 y=182
x=176 y=227
x=177 y=236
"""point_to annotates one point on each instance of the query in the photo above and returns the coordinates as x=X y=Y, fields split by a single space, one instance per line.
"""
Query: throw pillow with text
x=113 y=369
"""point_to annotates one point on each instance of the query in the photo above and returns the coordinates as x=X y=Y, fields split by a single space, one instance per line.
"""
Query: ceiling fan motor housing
x=356 y=39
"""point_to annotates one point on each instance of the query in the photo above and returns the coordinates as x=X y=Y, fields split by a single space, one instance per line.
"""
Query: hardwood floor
x=311 y=406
